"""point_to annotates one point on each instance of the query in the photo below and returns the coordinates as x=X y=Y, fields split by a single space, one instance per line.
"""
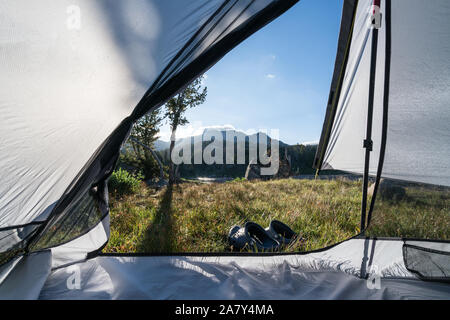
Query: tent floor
x=330 y=274
x=135 y=278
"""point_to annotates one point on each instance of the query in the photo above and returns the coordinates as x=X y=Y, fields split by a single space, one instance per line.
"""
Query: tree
x=192 y=96
x=143 y=134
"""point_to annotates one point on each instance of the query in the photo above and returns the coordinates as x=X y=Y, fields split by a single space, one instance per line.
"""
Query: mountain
x=161 y=145
x=302 y=155
x=239 y=136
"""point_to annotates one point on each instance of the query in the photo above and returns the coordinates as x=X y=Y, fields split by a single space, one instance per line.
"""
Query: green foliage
x=123 y=183
x=134 y=155
x=190 y=97
x=146 y=128
x=147 y=165
x=302 y=158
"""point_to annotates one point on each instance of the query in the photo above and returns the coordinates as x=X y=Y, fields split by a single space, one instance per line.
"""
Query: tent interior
x=70 y=96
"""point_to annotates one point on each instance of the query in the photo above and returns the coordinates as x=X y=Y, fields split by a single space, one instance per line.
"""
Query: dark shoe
x=281 y=232
x=253 y=236
x=237 y=238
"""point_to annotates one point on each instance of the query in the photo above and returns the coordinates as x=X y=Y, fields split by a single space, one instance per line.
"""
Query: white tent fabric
x=76 y=74
x=345 y=148
x=418 y=134
x=418 y=130
x=79 y=248
x=6 y=268
x=336 y=273
x=73 y=72
x=66 y=87
x=27 y=278
x=354 y=269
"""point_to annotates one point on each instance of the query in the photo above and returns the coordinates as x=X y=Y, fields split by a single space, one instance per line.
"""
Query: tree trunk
x=171 y=164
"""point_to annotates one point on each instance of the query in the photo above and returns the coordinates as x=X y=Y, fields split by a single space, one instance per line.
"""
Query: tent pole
x=368 y=143
x=387 y=71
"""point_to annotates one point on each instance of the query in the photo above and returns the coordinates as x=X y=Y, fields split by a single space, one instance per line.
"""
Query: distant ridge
x=161 y=145
x=302 y=155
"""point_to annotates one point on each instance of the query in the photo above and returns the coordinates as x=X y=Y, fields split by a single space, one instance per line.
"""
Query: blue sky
x=279 y=78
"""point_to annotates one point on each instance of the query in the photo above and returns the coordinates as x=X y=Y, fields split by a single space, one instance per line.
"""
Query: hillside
x=302 y=156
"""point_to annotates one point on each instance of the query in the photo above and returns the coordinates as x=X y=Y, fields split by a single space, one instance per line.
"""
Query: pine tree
x=192 y=96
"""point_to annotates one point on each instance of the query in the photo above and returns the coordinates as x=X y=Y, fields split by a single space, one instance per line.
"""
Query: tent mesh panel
x=411 y=210
x=414 y=198
x=13 y=242
x=428 y=263
x=75 y=221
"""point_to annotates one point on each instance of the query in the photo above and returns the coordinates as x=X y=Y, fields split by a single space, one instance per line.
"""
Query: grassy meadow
x=196 y=217
x=423 y=214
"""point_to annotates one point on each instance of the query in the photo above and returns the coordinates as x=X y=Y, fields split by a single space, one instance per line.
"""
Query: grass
x=195 y=217
x=423 y=214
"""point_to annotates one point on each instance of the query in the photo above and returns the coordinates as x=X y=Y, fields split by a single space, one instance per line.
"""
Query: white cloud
x=189 y=130
x=273 y=57
x=224 y=127
x=270 y=76
x=307 y=143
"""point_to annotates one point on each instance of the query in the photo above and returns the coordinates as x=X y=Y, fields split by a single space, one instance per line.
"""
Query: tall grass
x=197 y=217
x=193 y=217
x=424 y=213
